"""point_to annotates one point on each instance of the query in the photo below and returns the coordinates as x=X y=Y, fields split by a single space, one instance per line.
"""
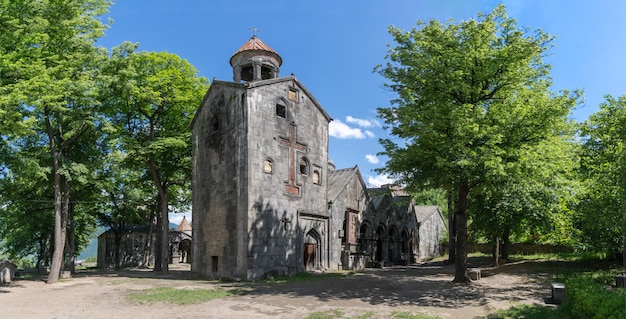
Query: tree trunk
x=496 y=250
x=460 y=269
x=451 y=230
x=118 y=242
x=147 y=247
x=60 y=220
x=165 y=232
x=70 y=242
x=158 y=251
x=506 y=244
x=162 y=222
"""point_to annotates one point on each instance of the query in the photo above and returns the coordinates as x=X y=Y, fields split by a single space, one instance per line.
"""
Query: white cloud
x=339 y=129
x=362 y=122
x=369 y=133
x=379 y=180
x=372 y=159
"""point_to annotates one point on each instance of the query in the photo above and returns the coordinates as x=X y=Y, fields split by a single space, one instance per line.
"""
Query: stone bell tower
x=255 y=61
x=260 y=172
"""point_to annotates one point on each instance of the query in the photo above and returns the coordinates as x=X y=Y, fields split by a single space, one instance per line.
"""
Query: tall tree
x=50 y=63
x=472 y=96
x=601 y=212
x=155 y=96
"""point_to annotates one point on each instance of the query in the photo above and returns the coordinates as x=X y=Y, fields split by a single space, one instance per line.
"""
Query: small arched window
x=304 y=166
x=281 y=110
x=268 y=166
x=316 y=177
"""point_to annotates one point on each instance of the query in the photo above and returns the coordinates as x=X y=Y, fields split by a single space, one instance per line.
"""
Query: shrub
x=589 y=295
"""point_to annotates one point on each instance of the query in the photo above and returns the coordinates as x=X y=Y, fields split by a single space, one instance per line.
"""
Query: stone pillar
x=256 y=66
x=237 y=74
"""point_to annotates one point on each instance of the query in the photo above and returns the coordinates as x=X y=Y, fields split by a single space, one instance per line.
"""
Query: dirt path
x=426 y=289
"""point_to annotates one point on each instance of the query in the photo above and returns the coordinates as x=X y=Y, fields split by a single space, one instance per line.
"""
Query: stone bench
x=474 y=274
x=558 y=292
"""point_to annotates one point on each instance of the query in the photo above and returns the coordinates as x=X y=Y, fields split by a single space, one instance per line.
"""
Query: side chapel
x=268 y=201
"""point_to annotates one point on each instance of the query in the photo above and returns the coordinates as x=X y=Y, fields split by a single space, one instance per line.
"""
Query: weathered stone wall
x=249 y=189
x=131 y=251
x=278 y=197
x=351 y=200
x=430 y=232
x=219 y=165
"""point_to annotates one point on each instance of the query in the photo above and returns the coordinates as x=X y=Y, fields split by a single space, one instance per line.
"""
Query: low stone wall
x=521 y=248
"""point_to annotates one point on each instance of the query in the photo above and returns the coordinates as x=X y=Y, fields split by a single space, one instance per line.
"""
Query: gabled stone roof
x=422 y=213
x=338 y=179
x=255 y=44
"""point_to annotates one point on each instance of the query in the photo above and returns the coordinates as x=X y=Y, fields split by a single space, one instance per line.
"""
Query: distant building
x=135 y=250
x=7 y=271
x=268 y=201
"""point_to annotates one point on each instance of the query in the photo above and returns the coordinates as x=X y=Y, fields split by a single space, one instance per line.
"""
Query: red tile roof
x=255 y=44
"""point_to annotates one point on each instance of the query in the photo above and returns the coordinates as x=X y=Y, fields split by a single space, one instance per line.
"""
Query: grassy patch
x=410 y=315
x=179 y=296
x=338 y=314
x=305 y=277
x=328 y=314
x=527 y=312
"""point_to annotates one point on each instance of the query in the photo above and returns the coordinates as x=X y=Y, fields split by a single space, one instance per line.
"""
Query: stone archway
x=380 y=243
x=184 y=247
x=393 y=244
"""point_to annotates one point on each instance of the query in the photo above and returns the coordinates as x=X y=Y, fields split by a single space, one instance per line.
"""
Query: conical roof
x=184 y=225
x=255 y=44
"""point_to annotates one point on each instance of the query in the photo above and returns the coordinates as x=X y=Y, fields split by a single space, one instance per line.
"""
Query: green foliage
x=473 y=101
x=179 y=296
x=602 y=207
x=589 y=296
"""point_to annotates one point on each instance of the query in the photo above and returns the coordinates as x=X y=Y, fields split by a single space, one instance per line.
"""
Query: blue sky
x=333 y=46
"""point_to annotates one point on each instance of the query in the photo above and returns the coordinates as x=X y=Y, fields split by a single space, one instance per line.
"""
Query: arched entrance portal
x=380 y=238
x=393 y=242
x=311 y=249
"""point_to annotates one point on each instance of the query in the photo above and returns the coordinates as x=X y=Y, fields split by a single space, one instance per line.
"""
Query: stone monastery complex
x=267 y=200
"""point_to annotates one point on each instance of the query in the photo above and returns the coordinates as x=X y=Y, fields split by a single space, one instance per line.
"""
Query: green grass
x=527 y=312
x=409 y=315
x=328 y=314
x=179 y=296
x=338 y=314
x=305 y=277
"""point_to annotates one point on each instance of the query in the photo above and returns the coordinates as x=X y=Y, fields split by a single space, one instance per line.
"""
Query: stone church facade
x=267 y=200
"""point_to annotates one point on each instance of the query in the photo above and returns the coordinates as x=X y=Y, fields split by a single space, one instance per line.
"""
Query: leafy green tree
x=534 y=198
x=601 y=212
x=49 y=86
x=472 y=96
x=154 y=96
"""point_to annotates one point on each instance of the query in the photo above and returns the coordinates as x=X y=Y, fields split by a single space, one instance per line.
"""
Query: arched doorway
x=393 y=243
x=406 y=252
x=380 y=238
x=363 y=241
x=311 y=249
x=184 y=247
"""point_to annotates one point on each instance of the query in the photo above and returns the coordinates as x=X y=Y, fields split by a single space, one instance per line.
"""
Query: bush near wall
x=520 y=248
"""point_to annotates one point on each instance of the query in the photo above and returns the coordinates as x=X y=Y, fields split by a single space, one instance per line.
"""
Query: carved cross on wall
x=293 y=145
